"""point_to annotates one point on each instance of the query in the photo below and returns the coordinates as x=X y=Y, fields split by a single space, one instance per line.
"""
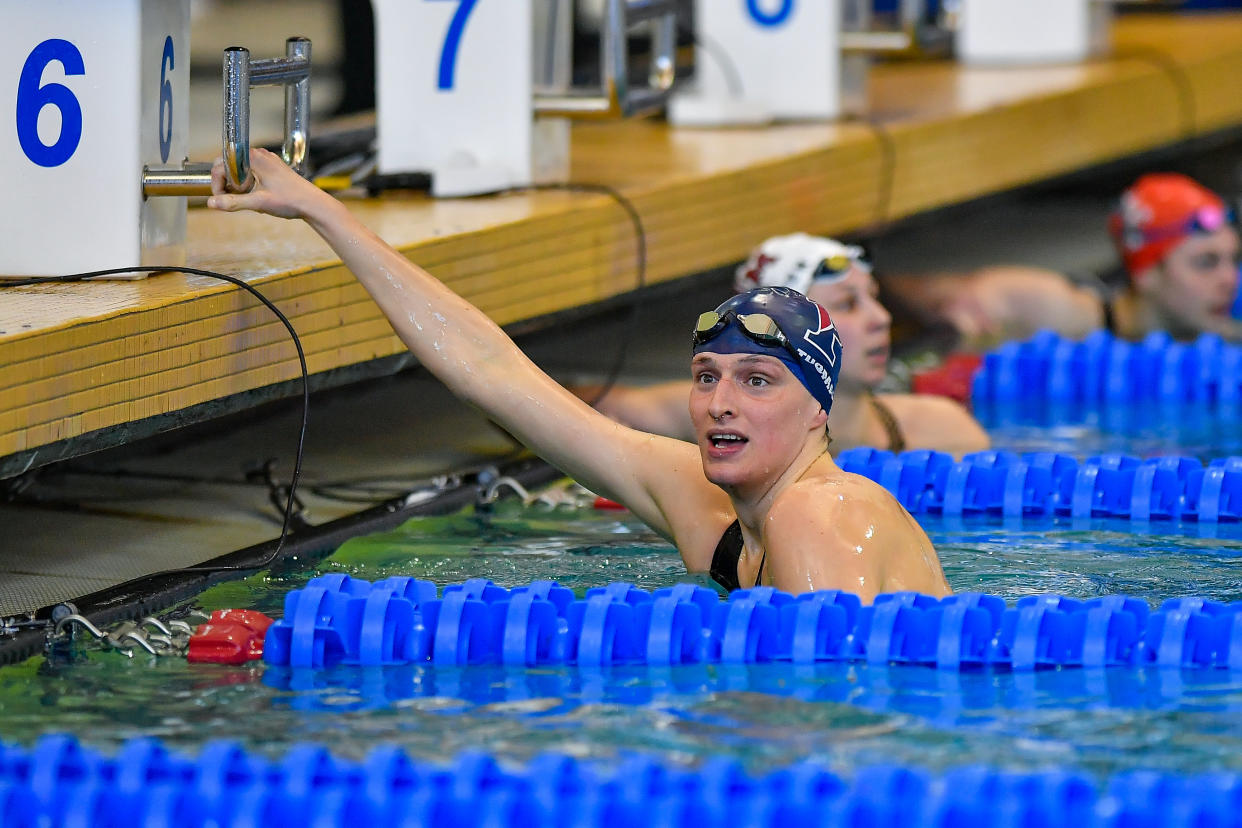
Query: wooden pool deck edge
x=82 y=358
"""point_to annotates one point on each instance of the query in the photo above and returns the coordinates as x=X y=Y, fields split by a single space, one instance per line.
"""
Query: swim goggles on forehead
x=758 y=327
x=834 y=266
x=1203 y=220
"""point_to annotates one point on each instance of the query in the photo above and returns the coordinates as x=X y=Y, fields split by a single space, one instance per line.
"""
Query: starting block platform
x=88 y=365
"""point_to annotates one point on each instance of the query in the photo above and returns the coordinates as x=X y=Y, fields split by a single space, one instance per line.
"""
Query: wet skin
x=862 y=322
x=761 y=439
x=864 y=326
x=821 y=528
x=1193 y=288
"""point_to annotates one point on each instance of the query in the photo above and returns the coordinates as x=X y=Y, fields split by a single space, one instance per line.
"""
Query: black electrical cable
x=887 y=179
x=733 y=78
x=640 y=239
x=337 y=490
x=422 y=181
x=297 y=343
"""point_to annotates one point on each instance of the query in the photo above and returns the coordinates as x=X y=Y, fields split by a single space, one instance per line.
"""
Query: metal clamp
x=616 y=98
x=241 y=74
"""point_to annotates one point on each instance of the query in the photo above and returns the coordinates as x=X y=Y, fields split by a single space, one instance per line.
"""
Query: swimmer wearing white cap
x=758 y=490
x=838 y=277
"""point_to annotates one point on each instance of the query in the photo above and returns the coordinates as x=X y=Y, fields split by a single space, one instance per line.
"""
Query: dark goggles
x=758 y=327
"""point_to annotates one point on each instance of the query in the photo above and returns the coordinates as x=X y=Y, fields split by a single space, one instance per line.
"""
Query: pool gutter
x=143 y=596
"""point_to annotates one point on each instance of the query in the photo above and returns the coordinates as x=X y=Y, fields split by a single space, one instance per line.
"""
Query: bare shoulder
x=935 y=422
x=814 y=537
x=841 y=508
x=843 y=531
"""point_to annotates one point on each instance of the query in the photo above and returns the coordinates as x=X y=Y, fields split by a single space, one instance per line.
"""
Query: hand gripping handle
x=241 y=74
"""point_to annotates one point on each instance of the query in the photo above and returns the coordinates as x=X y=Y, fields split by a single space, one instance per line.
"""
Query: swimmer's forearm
x=471 y=355
x=449 y=336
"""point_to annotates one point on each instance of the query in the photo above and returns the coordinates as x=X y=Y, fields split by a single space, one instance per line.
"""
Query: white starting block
x=1008 y=32
x=477 y=94
x=101 y=96
x=99 y=89
x=757 y=61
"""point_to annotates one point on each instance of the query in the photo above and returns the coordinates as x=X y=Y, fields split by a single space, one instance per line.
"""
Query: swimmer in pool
x=1179 y=248
x=836 y=276
x=757 y=499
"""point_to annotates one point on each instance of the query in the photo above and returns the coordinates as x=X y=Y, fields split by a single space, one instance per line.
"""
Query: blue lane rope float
x=337 y=619
x=1041 y=484
x=60 y=782
x=1104 y=369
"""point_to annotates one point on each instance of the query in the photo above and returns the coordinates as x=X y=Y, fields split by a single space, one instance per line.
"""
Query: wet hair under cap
x=805 y=324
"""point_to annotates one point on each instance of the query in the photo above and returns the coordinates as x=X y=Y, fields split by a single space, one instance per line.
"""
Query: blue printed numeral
x=32 y=97
x=452 y=40
x=773 y=18
x=166 y=100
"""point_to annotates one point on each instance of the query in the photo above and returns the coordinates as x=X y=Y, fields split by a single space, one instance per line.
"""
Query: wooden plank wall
x=78 y=358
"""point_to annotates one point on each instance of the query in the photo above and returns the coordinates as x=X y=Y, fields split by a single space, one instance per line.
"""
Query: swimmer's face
x=1196 y=283
x=751 y=417
x=863 y=325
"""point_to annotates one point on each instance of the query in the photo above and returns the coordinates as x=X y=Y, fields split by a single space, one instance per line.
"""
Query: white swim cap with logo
x=797 y=261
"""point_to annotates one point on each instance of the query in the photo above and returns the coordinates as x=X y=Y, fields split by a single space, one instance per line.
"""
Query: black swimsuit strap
x=728 y=555
x=896 y=440
x=1110 y=316
x=725 y=558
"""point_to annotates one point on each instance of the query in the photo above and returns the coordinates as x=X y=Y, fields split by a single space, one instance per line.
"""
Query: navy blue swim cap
x=802 y=336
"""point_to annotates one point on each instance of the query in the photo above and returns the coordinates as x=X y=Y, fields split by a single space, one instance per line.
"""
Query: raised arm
x=479 y=363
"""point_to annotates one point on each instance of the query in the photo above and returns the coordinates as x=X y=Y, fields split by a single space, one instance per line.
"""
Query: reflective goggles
x=836 y=266
x=758 y=327
x=1203 y=220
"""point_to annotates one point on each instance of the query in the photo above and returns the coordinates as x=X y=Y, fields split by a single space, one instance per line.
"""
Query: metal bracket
x=616 y=98
x=241 y=74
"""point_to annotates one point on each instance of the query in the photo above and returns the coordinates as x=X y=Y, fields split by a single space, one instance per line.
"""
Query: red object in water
x=951 y=379
x=605 y=503
x=251 y=619
x=230 y=637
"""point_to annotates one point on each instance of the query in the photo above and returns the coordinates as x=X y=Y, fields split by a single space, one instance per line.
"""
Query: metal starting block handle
x=616 y=98
x=241 y=74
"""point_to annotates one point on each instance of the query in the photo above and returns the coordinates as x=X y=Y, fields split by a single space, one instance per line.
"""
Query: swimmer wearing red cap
x=1177 y=242
x=838 y=277
x=1179 y=246
x=759 y=487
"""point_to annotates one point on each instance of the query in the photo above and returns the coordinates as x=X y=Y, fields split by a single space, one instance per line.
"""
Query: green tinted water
x=766 y=715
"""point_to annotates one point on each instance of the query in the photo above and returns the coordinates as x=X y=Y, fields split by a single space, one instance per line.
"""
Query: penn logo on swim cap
x=781 y=323
x=797 y=261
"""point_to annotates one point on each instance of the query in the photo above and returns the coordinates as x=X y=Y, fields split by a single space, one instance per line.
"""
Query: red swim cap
x=1157 y=213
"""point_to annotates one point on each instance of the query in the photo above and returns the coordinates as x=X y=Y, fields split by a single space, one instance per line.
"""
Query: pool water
x=1203 y=431
x=766 y=715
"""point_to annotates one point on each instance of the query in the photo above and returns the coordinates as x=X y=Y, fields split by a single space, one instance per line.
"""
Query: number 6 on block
x=93 y=91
